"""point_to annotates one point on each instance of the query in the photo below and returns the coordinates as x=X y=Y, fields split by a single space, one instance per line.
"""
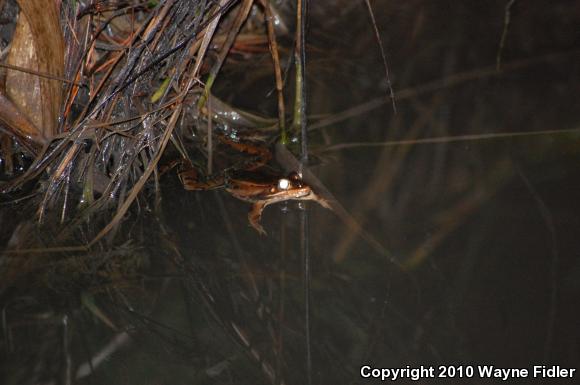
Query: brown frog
x=262 y=194
x=246 y=187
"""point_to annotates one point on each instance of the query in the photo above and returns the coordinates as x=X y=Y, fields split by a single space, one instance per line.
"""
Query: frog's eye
x=283 y=184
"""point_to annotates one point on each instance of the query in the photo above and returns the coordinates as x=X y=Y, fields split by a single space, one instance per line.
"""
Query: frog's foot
x=255 y=215
x=190 y=180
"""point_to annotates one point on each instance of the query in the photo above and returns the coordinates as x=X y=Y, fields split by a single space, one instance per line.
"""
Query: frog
x=247 y=183
x=259 y=191
x=265 y=193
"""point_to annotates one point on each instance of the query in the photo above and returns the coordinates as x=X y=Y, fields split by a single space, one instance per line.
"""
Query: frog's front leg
x=255 y=215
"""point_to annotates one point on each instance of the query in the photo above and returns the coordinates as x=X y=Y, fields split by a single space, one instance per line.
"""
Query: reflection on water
x=483 y=233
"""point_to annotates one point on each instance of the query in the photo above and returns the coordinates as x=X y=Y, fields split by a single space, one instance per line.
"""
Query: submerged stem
x=299 y=121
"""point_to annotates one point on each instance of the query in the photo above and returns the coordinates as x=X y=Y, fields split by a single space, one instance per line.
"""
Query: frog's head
x=290 y=187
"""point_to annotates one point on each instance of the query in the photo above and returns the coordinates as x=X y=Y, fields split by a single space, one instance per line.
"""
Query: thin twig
x=383 y=55
x=40 y=74
x=273 y=45
x=506 y=23
x=447 y=139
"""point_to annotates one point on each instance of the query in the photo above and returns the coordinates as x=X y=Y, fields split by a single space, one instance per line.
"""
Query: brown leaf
x=37 y=45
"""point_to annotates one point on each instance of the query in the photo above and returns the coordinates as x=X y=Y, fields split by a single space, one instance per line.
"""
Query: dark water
x=480 y=235
x=484 y=228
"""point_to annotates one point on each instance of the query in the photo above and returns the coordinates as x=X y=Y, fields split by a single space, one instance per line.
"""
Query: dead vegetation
x=88 y=143
x=138 y=76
